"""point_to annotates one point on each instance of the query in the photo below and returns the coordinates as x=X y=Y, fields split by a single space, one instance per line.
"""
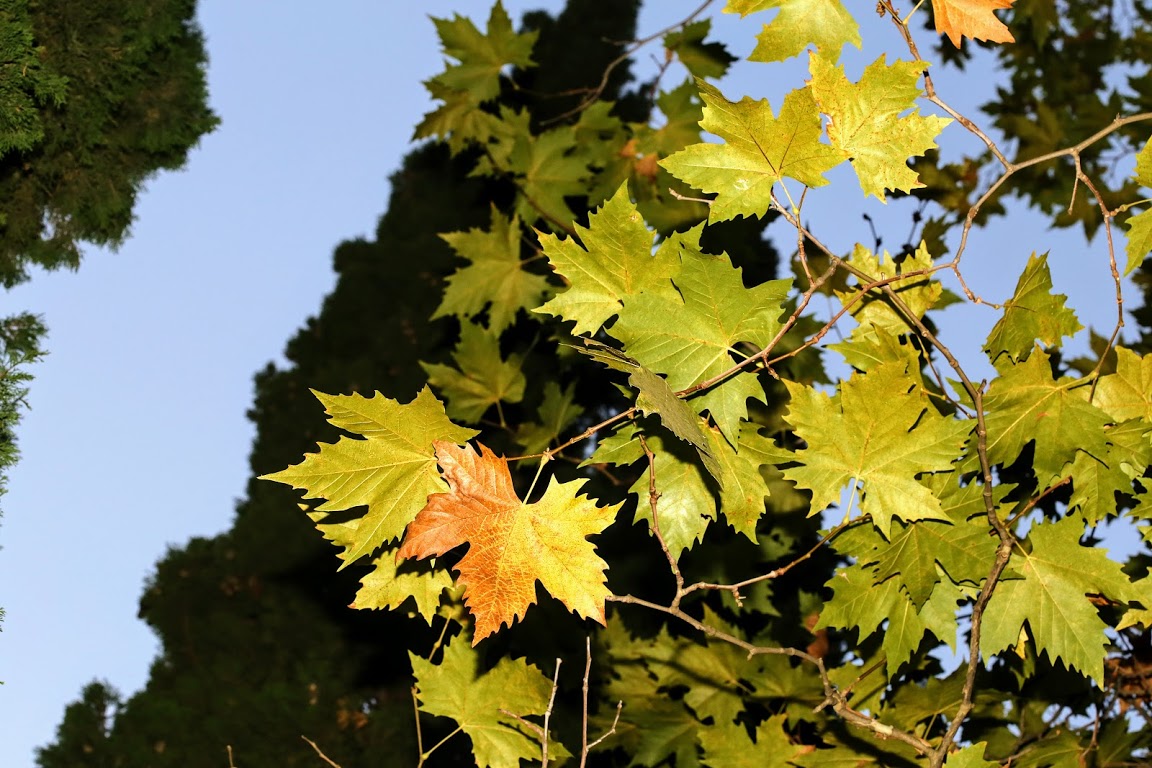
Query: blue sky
x=137 y=439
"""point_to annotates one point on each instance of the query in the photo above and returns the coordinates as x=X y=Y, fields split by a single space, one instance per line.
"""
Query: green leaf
x=714 y=312
x=1033 y=314
x=656 y=398
x=557 y=410
x=483 y=379
x=389 y=587
x=743 y=488
x=1051 y=596
x=392 y=470
x=1140 y=225
x=455 y=688
x=823 y=23
x=727 y=745
x=858 y=602
x=495 y=278
x=760 y=150
x=551 y=168
x=685 y=505
x=971 y=756
x=1127 y=393
x=1025 y=404
x=866 y=122
x=1095 y=484
x=700 y=58
x=481 y=57
x=879 y=429
x=615 y=261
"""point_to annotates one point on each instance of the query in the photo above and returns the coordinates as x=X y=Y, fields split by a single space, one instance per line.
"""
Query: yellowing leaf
x=1127 y=394
x=1026 y=404
x=760 y=150
x=1033 y=314
x=971 y=18
x=495 y=279
x=881 y=430
x=392 y=470
x=389 y=587
x=511 y=544
x=866 y=123
x=800 y=23
x=713 y=311
x=1058 y=574
x=1140 y=225
x=615 y=260
x=485 y=705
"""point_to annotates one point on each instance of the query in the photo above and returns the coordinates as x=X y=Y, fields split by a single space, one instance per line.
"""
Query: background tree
x=95 y=98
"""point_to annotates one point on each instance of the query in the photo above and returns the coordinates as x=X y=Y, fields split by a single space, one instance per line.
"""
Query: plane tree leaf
x=760 y=149
x=867 y=122
x=1139 y=242
x=557 y=410
x=495 y=279
x=800 y=23
x=879 y=430
x=1033 y=314
x=389 y=586
x=1127 y=393
x=483 y=378
x=714 y=312
x=971 y=18
x=511 y=544
x=481 y=56
x=612 y=259
x=728 y=746
x=700 y=58
x=484 y=704
x=391 y=471
x=1026 y=404
x=1058 y=575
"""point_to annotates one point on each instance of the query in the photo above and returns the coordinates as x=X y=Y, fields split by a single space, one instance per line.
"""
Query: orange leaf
x=971 y=18
x=511 y=544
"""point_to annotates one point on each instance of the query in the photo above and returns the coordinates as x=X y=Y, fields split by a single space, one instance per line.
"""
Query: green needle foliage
x=898 y=567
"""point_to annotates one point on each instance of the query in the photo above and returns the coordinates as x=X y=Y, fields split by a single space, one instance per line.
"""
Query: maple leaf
x=685 y=505
x=713 y=311
x=1127 y=393
x=388 y=586
x=971 y=756
x=761 y=149
x=392 y=470
x=511 y=544
x=1033 y=314
x=727 y=745
x=656 y=398
x=485 y=705
x=971 y=18
x=866 y=123
x=881 y=430
x=1057 y=575
x=616 y=260
x=551 y=168
x=701 y=59
x=858 y=602
x=495 y=279
x=481 y=57
x=557 y=410
x=484 y=378
x=1026 y=404
x=823 y=23
x=1140 y=225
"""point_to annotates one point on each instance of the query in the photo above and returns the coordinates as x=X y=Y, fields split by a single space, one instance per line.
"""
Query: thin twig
x=626 y=54
x=653 y=498
x=323 y=756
